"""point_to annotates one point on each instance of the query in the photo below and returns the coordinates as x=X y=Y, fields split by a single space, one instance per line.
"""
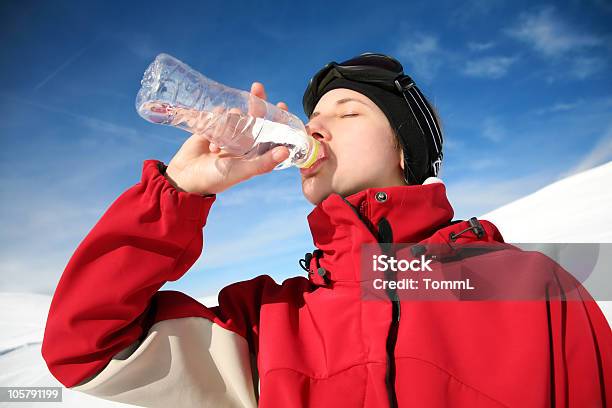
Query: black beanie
x=416 y=150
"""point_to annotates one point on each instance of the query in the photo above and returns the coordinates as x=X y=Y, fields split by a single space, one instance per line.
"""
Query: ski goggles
x=375 y=69
x=387 y=73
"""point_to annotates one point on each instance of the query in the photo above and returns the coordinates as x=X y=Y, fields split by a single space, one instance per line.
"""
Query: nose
x=317 y=131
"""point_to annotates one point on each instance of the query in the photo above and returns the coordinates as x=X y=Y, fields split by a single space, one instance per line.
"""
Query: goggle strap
x=412 y=111
x=410 y=89
x=425 y=113
x=437 y=136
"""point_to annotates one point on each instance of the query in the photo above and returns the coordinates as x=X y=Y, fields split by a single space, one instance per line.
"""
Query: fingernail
x=278 y=154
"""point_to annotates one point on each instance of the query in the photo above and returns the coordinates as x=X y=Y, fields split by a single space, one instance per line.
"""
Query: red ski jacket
x=310 y=341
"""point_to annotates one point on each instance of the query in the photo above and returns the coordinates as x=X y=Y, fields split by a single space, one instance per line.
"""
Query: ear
x=402 y=159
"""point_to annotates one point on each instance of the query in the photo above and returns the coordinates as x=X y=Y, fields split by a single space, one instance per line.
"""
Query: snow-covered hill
x=22 y=324
x=576 y=209
x=551 y=214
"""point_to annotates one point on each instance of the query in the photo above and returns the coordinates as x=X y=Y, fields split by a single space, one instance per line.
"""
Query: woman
x=315 y=341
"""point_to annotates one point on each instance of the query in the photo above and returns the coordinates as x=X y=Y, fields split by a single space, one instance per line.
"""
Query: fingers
x=266 y=162
x=258 y=90
x=194 y=146
x=257 y=107
x=262 y=164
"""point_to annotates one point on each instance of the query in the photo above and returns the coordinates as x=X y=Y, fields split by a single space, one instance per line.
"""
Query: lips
x=315 y=166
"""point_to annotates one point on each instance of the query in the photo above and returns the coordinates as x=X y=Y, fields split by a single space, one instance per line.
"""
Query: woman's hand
x=201 y=167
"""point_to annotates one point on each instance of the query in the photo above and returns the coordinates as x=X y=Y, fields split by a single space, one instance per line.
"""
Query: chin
x=313 y=191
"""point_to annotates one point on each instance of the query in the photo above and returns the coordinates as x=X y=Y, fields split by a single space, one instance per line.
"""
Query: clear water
x=238 y=134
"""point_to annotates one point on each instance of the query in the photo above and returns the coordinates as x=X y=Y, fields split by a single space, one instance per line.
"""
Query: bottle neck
x=314 y=151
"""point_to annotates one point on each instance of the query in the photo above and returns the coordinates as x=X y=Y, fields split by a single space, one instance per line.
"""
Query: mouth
x=317 y=164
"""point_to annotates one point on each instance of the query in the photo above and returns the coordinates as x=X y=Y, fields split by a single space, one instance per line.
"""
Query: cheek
x=366 y=148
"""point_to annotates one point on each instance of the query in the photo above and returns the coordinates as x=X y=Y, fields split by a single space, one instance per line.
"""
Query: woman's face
x=359 y=146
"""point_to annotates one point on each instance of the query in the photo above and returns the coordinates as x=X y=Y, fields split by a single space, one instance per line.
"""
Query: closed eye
x=348 y=115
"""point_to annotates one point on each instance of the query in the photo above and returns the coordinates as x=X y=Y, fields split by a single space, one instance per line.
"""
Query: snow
x=575 y=209
x=22 y=319
x=22 y=324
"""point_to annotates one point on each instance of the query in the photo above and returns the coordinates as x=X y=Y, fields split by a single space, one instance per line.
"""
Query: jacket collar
x=416 y=213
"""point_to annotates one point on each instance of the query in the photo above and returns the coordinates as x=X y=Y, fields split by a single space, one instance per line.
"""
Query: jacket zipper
x=391 y=342
x=385 y=236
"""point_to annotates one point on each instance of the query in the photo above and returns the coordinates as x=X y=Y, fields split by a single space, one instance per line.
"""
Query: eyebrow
x=340 y=102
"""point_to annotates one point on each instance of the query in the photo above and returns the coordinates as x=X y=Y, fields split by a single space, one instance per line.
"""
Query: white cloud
x=484 y=163
x=488 y=67
x=585 y=67
x=480 y=46
x=545 y=32
x=423 y=54
x=453 y=143
x=559 y=107
x=493 y=130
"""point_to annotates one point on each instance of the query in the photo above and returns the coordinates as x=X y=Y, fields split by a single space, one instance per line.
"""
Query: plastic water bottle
x=174 y=94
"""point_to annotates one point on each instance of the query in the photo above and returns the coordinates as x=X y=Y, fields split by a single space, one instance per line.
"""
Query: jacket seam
x=365 y=363
x=183 y=252
x=455 y=378
x=320 y=335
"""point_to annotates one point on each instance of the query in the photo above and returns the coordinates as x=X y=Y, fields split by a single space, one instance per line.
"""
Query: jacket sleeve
x=112 y=334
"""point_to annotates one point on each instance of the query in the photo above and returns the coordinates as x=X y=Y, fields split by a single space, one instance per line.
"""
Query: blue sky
x=523 y=89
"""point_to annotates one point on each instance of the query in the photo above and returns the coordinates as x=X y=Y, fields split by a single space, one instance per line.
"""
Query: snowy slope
x=582 y=200
x=22 y=319
x=22 y=324
x=576 y=209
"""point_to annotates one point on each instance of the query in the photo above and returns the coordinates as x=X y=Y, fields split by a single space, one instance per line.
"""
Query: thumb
x=266 y=162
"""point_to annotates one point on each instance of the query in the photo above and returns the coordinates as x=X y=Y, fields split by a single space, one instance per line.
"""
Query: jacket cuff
x=190 y=206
